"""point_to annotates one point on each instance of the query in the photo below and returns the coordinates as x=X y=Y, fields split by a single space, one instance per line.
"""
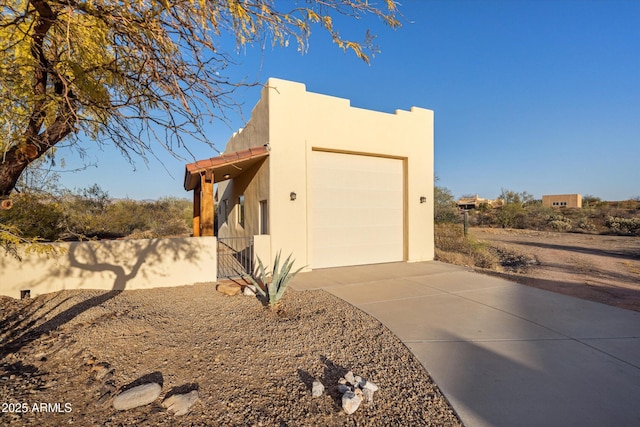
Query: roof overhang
x=223 y=167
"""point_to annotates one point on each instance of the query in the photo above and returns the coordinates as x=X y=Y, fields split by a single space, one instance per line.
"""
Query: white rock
x=350 y=402
x=350 y=378
x=247 y=291
x=317 y=389
x=180 y=404
x=367 y=395
x=342 y=381
x=137 y=396
x=358 y=380
x=371 y=386
x=343 y=388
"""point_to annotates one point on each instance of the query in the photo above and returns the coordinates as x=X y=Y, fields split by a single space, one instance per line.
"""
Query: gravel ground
x=74 y=350
x=600 y=268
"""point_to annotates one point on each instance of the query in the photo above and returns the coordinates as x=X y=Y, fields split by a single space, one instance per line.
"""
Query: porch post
x=206 y=206
x=196 y=210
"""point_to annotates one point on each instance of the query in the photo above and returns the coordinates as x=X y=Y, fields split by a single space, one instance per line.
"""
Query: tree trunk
x=10 y=170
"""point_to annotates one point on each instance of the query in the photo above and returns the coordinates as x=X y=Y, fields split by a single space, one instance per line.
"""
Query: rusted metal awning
x=225 y=166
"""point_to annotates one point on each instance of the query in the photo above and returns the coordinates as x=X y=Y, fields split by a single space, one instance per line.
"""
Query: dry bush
x=454 y=248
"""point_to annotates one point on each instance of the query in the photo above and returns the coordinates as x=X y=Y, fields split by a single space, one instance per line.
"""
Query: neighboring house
x=332 y=184
x=475 y=202
x=562 y=201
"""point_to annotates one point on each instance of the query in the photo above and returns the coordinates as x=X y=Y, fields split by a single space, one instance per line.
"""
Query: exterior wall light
x=423 y=199
x=293 y=195
x=226 y=176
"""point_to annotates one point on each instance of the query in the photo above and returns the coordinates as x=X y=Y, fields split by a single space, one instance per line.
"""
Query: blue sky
x=537 y=96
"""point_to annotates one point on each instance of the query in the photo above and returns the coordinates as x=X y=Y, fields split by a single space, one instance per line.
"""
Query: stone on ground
x=350 y=378
x=180 y=404
x=350 y=402
x=367 y=394
x=230 y=289
x=317 y=389
x=137 y=396
x=371 y=386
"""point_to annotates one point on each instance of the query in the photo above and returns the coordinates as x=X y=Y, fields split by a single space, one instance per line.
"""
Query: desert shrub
x=124 y=217
x=489 y=218
x=168 y=217
x=85 y=212
x=620 y=225
x=449 y=237
x=559 y=222
x=91 y=213
x=511 y=216
x=445 y=209
x=536 y=217
x=586 y=225
x=453 y=247
x=35 y=215
x=589 y=201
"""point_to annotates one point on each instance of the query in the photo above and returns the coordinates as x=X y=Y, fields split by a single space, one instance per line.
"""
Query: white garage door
x=356 y=209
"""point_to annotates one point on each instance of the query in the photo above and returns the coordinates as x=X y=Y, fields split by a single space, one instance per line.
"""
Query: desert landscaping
x=74 y=351
x=600 y=268
x=66 y=356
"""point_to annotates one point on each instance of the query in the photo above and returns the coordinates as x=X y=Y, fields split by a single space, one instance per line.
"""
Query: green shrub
x=620 y=225
x=274 y=284
x=511 y=216
x=445 y=209
x=586 y=225
x=35 y=215
x=559 y=222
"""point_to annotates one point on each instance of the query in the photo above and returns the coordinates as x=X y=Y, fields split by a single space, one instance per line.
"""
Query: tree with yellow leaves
x=135 y=73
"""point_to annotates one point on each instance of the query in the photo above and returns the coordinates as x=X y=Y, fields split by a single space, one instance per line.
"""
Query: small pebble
x=317 y=389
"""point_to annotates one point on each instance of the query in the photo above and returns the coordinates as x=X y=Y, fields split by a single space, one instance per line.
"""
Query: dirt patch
x=74 y=350
x=599 y=268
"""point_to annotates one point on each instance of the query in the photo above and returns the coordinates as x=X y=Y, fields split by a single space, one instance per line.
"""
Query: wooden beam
x=196 y=210
x=206 y=206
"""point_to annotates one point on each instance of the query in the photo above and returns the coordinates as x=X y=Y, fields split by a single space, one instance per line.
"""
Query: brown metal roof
x=225 y=166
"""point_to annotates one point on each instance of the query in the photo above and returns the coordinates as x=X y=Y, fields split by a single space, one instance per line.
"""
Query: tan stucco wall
x=295 y=123
x=572 y=200
x=302 y=121
x=262 y=250
x=112 y=265
x=254 y=183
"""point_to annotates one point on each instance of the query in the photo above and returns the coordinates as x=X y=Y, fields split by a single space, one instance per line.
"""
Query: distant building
x=562 y=201
x=475 y=202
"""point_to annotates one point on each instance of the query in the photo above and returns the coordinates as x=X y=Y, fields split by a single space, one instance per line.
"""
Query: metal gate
x=235 y=256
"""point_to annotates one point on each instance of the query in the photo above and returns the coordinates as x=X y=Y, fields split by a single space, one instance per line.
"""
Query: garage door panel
x=357 y=209
x=357 y=217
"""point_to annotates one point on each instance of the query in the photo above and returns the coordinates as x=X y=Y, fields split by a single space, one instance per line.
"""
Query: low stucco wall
x=112 y=265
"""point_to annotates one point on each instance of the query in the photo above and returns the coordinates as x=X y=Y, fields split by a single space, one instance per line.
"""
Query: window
x=241 y=210
x=264 y=217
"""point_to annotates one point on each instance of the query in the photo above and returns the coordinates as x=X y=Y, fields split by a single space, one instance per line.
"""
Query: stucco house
x=562 y=201
x=333 y=184
x=475 y=202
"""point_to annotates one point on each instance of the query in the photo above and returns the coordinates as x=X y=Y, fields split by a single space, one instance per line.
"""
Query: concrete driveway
x=504 y=354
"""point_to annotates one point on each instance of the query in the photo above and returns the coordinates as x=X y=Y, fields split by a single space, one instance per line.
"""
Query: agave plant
x=275 y=282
